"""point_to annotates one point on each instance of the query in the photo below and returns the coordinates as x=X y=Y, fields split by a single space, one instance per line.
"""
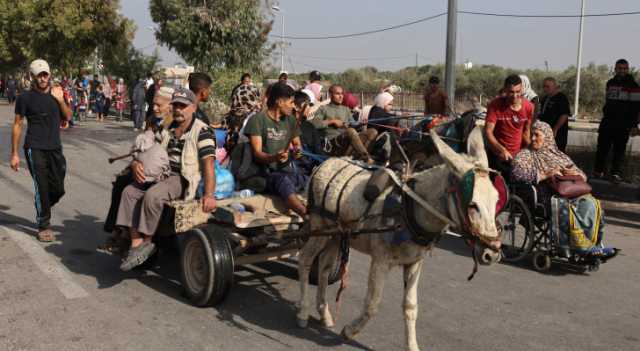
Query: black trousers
x=608 y=139
x=47 y=168
x=122 y=180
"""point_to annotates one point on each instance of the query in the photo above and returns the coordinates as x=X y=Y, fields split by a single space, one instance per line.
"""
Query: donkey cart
x=242 y=231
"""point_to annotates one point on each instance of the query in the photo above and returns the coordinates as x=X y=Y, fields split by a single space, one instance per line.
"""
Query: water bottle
x=244 y=193
x=238 y=207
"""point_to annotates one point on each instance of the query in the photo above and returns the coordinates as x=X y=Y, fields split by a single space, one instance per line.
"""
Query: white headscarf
x=527 y=91
x=383 y=99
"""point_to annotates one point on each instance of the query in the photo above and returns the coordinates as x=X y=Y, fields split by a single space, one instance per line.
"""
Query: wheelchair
x=525 y=225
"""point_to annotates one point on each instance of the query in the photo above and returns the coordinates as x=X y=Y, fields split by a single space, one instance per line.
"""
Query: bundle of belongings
x=148 y=150
x=577 y=226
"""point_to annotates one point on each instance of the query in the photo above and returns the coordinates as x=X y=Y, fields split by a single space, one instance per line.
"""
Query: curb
x=606 y=190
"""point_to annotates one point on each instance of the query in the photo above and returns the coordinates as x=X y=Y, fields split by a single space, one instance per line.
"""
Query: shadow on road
x=255 y=301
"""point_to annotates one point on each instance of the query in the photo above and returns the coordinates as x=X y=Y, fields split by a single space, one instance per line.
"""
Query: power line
x=548 y=16
x=476 y=13
x=367 y=32
x=353 y=58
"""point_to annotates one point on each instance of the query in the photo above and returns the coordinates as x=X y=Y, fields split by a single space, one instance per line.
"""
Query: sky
x=511 y=42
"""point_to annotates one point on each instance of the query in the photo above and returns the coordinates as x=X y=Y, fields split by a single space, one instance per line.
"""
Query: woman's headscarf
x=383 y=99
x=527 y=90
x=350 y=100
x=529 y=162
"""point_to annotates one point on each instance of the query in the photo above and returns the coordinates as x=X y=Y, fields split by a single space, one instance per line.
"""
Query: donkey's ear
x=475 y=147
x=455 y=161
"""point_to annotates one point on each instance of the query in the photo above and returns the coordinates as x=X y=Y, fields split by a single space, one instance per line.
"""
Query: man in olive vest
x=191 y=148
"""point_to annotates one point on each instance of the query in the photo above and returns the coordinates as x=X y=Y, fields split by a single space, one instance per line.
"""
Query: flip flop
x=46 y=236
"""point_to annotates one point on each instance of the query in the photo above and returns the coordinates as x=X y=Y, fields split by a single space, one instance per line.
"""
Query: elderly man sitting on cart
x=270 y=133
x=190 y=146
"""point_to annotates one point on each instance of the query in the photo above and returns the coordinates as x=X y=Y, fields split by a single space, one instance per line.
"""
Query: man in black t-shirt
x=555 y=111
x=44 y=108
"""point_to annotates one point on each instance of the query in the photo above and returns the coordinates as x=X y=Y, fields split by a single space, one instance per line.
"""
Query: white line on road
x=60 y=276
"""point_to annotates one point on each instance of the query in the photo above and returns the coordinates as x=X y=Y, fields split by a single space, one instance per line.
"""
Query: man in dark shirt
x=620 y=115
x=44 y=108
x=555 y=111
x=200 y=84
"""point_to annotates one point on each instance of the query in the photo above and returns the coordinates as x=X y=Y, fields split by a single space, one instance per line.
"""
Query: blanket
x=577 y=224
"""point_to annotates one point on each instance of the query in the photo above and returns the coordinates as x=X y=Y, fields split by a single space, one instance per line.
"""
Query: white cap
x=38 y=66
x=312 y=96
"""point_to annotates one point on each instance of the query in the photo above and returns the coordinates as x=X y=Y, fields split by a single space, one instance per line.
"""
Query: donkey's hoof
x=302 y=323
x=347 y=333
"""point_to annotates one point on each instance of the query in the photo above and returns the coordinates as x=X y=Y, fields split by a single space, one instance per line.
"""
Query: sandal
x=138 y=255
x=46 y=236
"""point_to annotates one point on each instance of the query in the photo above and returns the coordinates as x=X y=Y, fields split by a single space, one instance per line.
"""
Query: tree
x=64 y=32
x=130 y=64
x=214 y=34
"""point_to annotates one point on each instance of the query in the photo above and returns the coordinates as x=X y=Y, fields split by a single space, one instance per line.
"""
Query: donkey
x=432 y=185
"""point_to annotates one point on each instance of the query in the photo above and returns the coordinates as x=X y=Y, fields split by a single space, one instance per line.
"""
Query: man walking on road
x=435 y=99
x=137 y=105
x=620 y=115
x=555 y=111
x=44 y=108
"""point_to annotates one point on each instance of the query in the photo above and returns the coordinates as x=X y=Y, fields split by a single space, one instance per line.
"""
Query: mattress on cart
x=255 y=211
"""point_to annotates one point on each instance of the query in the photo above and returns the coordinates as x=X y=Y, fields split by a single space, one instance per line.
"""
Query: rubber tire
x=517 y=202
x=218 y=259
x=541 y=261
x=334 y=276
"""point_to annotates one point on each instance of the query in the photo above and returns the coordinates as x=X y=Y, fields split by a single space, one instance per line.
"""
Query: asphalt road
x=67 y=296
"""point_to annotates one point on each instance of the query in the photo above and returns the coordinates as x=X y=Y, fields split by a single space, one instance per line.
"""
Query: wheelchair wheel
x=517 y=230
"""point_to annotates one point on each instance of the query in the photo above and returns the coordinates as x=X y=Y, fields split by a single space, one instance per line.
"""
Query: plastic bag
x=225 y=183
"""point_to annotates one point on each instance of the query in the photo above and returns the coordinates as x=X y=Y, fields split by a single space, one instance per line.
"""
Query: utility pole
x=450 y=70
x=416 y=62
x=546 y=65
x=576 y=103
x=282 y=43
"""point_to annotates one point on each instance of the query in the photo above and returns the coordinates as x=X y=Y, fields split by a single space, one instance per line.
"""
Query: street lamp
x=277 y=9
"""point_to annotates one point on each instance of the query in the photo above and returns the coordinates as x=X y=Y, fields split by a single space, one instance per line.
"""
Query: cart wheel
x=517 y=230
x=541 y=261
x=595 y=266
x=334 y=276
x=206 y=260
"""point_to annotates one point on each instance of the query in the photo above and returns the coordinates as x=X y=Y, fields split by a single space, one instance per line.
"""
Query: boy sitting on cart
x=190 y=145
x=270 y=133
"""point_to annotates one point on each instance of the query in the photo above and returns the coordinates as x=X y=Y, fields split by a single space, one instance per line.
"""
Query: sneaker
x=616 y=178
x=138 y=255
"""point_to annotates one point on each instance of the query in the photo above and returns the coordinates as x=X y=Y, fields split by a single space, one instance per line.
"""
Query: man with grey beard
x=191 y=148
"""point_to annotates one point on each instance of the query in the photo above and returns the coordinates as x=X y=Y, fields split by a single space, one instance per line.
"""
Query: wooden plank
x=267 y=256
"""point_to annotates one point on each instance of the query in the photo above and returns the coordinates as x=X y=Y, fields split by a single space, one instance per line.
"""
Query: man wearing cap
x=191 y=148
x=44 y=108
x=436 y=101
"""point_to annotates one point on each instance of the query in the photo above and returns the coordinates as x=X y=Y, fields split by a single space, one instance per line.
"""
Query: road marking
x=60 y=275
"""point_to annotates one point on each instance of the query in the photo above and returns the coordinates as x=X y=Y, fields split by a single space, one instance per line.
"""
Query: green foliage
x=481 y=80
x=64 y=32
x=213 y=34
x=130 y=64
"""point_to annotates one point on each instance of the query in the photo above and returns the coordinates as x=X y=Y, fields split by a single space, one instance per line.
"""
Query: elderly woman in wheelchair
x=551 y=213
